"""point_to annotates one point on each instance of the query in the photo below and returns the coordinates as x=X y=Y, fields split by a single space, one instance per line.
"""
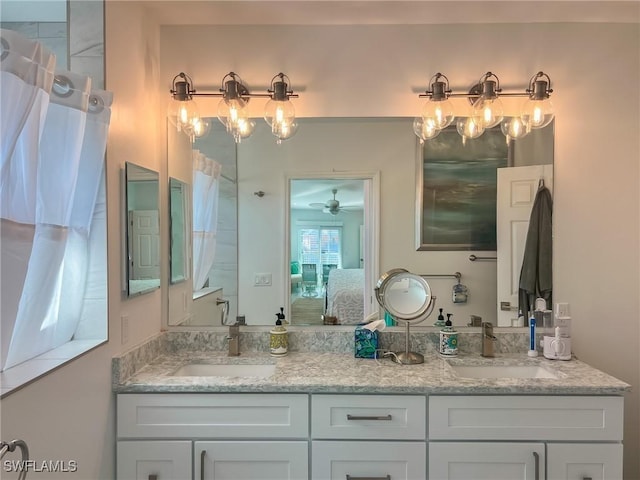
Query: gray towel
x=536 y=273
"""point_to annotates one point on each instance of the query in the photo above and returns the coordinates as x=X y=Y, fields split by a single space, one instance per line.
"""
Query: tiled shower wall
x=78 y=43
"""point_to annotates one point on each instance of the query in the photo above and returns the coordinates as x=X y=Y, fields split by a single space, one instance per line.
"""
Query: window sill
x=14 y=378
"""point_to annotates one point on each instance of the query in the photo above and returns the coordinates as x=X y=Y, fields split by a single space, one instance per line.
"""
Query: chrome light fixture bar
x=487 y=110
x=232 y=110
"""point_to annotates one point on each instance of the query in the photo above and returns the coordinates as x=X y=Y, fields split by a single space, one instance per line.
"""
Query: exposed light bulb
x=439 y=113
x=233 y=114
x=184 y=114
x=244 y=129
x=537 y=113
x=489 y=111
x=469 y=127
x=201 y=127
x=285 y=131
x=514 y=127
x=280 y=116
x=425 y=129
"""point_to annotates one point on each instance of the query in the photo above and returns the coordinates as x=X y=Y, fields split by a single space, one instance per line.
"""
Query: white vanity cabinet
x=525 y=437
x=233 y=436
x=368 y=437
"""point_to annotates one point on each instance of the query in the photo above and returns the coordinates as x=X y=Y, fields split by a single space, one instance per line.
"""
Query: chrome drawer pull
x=349 y=477
x=587 y=478
x=368 y=417
x=536 y=474
x=153 y=476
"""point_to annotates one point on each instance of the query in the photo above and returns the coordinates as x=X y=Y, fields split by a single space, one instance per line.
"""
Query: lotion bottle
x=279 y=337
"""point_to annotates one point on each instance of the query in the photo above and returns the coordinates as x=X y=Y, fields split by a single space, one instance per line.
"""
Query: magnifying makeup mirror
x=407 y=297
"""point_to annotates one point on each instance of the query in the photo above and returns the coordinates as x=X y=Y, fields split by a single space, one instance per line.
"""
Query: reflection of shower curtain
x=206 y=181
x=49 y=184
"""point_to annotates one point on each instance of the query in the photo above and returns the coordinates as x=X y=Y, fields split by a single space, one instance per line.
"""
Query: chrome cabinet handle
x=387 y=477
x=587 y=478
x=202 y=454
x=368 y=417
x=536 y=474
x=153 y=476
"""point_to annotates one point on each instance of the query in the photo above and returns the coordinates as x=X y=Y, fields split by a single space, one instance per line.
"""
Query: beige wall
x=70 y=413
x=378 y=70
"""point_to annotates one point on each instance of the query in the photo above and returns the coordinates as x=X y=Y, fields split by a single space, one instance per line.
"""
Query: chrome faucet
x=488 y=339
x=234 y=340
x=234 y=336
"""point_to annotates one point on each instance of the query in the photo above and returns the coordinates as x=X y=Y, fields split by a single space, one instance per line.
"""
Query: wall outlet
x=262 y=279
x=124 y=329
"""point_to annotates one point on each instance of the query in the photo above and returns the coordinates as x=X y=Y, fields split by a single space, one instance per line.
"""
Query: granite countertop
x=342 y=373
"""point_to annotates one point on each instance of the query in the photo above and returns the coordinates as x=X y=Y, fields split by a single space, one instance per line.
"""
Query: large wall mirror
x=142 y=230
x=298 y=179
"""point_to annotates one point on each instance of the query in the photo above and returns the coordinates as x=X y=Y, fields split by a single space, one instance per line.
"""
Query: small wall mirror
x=179 y=230
x=142 y=230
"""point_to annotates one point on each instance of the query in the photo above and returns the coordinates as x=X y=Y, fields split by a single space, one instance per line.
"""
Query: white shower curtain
x=49 y=186
x=27 y=70
x=206 y=175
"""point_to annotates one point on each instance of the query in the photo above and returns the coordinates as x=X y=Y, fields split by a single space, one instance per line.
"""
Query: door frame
x=371 y=253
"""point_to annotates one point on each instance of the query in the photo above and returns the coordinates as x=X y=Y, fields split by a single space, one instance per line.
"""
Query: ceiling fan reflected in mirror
x=331 y=206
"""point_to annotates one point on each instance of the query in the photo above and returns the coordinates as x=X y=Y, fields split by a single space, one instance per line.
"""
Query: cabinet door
x=153 y=460
x=486 y=461
x=340 y=460
x=584 y=461
x=251 y=460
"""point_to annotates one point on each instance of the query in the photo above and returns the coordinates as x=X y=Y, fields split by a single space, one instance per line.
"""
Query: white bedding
x=345 y=295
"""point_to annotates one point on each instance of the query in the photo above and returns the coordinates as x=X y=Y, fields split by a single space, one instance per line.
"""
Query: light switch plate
x=262 y=279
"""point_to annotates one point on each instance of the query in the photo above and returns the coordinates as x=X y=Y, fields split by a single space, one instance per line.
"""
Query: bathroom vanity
x=331 y=416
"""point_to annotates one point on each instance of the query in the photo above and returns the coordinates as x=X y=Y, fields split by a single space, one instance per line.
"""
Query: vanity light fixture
x=487 y=110
x=183 y=109
x=232 y=110
x=279 y=112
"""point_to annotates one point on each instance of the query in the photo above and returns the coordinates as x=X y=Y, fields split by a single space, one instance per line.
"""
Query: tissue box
x=366 y=343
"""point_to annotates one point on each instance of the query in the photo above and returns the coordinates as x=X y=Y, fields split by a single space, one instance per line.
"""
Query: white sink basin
x=225 y=370
x=502 y=371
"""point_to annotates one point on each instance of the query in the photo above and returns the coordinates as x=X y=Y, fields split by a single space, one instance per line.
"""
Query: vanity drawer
x=400 y=417
x=525 y=418
x=337 y=460
x=205 y=415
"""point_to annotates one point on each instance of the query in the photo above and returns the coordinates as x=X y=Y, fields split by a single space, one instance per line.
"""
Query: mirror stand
x=407 y=298
x=407 y=357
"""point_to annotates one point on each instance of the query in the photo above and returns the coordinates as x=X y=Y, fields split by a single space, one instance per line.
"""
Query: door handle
x=536 y=466
x=369 y=417
x=202 y=454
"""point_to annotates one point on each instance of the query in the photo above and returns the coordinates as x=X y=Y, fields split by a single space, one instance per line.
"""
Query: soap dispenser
x=278 y=337
x=448 y=339
x=440 y=321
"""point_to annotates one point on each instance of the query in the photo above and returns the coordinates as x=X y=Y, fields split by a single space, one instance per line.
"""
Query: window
x=320 y=246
